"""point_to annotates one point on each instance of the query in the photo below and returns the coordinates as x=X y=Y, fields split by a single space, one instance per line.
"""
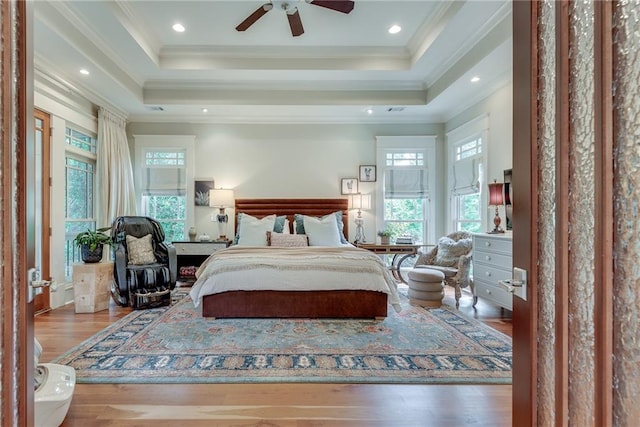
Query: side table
x=92 y=286
x=400 y=252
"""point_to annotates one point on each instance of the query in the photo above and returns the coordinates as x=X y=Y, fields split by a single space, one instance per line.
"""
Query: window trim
x=426 y=144
x=79 y=154
x=469 y=131
x=142 y=143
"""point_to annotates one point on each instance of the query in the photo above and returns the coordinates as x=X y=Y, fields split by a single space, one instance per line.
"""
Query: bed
x=294 y=282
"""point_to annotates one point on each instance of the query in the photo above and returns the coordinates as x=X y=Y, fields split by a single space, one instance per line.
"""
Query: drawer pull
x=488 y=291
x=487 y=244
x=488 y=273
x=487 y=257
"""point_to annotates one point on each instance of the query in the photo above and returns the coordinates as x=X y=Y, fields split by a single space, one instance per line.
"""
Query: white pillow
x=286 y=229
x=253 y=231
x=322 y=231
x=449 y=251
x=298 y=225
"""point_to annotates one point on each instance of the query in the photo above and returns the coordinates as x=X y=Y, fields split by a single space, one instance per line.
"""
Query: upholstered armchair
x=451 y=256
x=145 y=268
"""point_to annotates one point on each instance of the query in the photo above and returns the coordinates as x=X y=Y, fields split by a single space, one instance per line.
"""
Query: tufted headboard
x=312 y=207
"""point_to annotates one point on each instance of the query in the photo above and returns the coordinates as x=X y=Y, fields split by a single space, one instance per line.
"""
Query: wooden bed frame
x=288 y=304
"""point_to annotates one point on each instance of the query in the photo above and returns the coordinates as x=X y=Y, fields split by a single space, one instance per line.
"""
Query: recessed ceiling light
x=395 y=29
x=84 y=71
x=178 y=27
x=204 y=110
x=475 y=79
x=369 y=110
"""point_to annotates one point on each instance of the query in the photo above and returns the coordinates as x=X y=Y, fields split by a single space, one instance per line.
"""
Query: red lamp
x=496 y=199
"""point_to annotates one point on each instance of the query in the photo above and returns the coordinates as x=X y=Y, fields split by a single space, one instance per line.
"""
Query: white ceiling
x=342 y=65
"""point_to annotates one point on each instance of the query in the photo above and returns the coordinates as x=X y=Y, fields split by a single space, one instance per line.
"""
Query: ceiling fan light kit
x=290 y=7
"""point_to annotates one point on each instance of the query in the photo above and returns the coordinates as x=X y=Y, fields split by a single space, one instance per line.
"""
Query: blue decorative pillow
x=278 y=227
x=299 y=219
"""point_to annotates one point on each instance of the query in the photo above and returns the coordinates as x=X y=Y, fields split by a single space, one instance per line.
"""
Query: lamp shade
x=495 y=194
x=221 y=198
x=361 y=201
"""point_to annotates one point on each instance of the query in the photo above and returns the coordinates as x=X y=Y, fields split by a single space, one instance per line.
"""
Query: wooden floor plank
x=273 y=405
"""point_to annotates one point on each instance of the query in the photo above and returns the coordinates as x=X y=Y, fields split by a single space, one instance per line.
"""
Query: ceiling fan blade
x=251 y=19
x=344 y=6
x=295 y=23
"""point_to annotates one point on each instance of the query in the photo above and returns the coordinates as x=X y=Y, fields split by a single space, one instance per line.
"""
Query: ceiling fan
x=291 y=9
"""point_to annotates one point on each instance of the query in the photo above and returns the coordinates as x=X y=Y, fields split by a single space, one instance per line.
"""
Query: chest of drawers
x=492 y=263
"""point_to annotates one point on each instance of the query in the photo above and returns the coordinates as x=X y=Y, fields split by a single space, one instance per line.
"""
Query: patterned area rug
x=177 y=345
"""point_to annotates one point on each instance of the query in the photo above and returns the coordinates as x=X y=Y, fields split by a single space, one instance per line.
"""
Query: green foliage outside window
x=79 y=201
x=79 y=189
x=170 y=212
x=403 y=217
x=472 y=227
x=469 y=213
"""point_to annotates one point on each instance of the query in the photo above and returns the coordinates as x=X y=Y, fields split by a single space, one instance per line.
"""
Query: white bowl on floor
x=53 y=397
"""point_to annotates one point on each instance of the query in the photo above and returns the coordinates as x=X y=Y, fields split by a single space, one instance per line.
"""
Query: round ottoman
x=426 y=287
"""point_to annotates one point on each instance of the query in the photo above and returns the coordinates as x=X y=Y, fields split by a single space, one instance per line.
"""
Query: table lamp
x=221 y=198
x=360 y=202
x=496 y=199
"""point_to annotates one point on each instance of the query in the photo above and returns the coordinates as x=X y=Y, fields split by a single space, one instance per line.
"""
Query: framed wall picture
x=349 y=185
x=367 y=173
x=201 y=196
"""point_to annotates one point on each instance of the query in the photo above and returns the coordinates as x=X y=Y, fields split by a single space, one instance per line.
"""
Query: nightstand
x=195 y=253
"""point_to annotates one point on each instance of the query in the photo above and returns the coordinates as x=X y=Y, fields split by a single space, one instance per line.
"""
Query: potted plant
x=384 y=236
x=91 y=244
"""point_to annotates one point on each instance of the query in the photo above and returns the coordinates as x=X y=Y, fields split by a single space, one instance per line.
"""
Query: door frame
x=16 y=147
x=525 y=209
x=16 y=136
x=526 y=242
x=42 y=301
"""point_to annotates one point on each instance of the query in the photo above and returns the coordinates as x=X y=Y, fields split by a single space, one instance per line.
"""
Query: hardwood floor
x=273 y=405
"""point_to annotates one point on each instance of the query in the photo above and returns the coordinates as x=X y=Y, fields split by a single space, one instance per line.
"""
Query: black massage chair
x=146 y=285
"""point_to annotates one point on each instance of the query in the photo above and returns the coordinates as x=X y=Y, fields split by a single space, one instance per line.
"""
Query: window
x=82 y=141
x=467 y=213
x=405 y=193
x=406 y=167
x=164 y=189
x=402 y=159
x=467 y=176
x=164 y=178
x=469 y=149
x=79 y=191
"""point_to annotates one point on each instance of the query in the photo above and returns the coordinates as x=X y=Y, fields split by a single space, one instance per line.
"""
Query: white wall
x=281 y=160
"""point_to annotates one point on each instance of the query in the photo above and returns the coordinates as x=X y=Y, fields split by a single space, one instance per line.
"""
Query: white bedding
x=299 y=269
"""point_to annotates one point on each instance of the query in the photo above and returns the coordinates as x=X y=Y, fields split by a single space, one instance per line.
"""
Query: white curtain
x=116 y=194
x=465 y=177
